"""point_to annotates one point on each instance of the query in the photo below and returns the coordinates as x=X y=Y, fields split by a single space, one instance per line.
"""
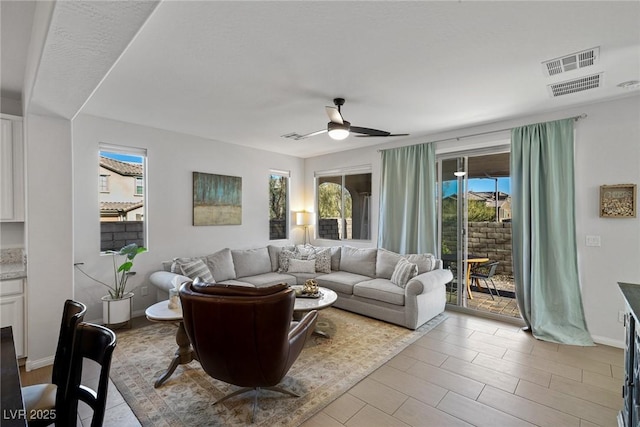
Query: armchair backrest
x=240 y=334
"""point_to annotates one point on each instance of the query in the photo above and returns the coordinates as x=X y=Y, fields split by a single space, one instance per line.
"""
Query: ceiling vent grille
x=576 y=85
x=575 y=61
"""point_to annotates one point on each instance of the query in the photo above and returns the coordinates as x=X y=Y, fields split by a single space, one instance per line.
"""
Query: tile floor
x=469 y=371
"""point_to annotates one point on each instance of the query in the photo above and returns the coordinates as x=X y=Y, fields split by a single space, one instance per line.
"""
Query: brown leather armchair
x=243 y=335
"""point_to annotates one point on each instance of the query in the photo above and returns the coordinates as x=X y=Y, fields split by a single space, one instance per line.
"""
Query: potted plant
x=116 y=307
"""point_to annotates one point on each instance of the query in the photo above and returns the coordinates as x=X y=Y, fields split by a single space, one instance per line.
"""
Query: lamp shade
x=304 y=218
x=338 y=131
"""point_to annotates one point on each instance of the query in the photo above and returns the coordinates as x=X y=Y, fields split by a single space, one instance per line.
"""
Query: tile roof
x=121 y=168
x=119 y=206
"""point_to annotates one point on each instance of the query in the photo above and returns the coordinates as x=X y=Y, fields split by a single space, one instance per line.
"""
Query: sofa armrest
x=426 y=282
x=165 y=280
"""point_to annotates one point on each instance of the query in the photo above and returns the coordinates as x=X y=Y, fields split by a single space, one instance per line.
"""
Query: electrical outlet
x=144 y=291
x=621 y=316
x=592 y=240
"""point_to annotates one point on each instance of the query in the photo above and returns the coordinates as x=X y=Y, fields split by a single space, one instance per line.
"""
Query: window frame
x=130 y=151
x=287 y=176
x=342 y=173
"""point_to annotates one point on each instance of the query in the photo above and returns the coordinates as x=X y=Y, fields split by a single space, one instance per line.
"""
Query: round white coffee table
x=160 y=312
x=304 y=305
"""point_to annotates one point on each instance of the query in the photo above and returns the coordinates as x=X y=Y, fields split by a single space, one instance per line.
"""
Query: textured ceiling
x=248 y=72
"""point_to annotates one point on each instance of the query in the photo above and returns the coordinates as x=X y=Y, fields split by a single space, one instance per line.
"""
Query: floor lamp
x=305 y=219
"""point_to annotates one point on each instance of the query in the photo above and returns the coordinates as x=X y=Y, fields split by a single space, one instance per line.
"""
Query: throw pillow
x=305 y=251
x=251 y=262
x=196 y=269
x=285 y=256
x=323 y=260
x=425 y=262
x=403 y=272
x=301 y=266
x=386 y=262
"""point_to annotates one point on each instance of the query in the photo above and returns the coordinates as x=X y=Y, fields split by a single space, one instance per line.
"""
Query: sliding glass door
x=475 y=229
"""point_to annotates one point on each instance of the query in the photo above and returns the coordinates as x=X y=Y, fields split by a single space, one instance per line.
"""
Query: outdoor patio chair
x=486 y=272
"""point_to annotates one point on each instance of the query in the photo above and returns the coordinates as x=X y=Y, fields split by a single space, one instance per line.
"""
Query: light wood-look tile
x=424 y=355
x=409 y=385
x=450 y=329
x=523 y=346
x=418 y=414
x=447 y=379
x=517 y=370
x=603 y=381
x=484 y=375
x=525 y=409
x=475 y=345
x=344 y=407
x=370 y=416
x=446 y=348
x=378 y=395
x=321 y=420
x=588 y=392
x=569 y=404
x=478 y=414
x=402 y=362
x=574 y=359
x=543 y=364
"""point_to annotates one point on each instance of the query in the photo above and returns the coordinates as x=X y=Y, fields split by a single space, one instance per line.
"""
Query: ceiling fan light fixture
x=338 y=131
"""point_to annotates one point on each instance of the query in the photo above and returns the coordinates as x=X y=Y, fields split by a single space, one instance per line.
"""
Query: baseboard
x=607 y=341
x=30 y=365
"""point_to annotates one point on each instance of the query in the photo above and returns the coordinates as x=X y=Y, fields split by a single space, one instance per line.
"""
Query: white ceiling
x=248 y=72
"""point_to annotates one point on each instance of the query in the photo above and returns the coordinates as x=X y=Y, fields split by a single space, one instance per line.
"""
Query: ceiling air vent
x=575 y=61
x=576 y=85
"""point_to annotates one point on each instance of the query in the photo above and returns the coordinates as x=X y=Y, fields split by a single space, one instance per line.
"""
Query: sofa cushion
x=404 y=271
x=197 y=268
x=305 y=251
x=386 y=262
x=380 y=290
x=301 y=266
x=221 y=265
x=425 y=262
x=341 y=281
x=250 y=262
x=268 y=279
x=358 y=261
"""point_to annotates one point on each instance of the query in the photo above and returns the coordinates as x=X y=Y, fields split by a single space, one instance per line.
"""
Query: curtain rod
x=458 y=138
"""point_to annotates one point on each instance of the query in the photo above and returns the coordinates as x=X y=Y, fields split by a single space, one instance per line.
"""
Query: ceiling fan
x=339 y=129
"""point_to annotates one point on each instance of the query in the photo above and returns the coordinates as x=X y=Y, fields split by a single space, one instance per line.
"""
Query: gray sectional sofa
x=406 y=290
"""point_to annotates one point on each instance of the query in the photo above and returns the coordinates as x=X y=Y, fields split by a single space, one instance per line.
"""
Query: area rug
x=326 y=368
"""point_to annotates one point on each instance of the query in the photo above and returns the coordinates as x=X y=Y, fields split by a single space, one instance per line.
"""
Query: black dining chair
x=95 y=343
x=485 y=272
x=40 y=400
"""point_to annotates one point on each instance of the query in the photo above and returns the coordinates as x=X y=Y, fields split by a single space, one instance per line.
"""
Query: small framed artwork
x=618 y=201
x=217 y=199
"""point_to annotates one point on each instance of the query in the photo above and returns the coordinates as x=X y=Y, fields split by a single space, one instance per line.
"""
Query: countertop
x=13 y=264
x=631 y=293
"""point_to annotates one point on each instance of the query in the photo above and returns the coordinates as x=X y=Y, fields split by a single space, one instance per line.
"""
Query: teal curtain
x=408 y=200
x=545 y=263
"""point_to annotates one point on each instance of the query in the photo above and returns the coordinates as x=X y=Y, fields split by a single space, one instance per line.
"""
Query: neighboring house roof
x=115 y=207
x=121 y=168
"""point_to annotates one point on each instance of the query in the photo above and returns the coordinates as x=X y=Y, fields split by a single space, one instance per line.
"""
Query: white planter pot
x=116 y=311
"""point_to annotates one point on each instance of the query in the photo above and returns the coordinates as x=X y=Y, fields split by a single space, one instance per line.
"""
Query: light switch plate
x=593 y=240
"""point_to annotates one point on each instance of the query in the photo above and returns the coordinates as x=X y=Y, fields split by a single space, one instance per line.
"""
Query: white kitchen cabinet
x=12 y=311
x=11 y=169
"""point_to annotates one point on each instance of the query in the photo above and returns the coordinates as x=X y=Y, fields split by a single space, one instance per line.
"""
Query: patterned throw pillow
x=323 y=260
x=305 y=251
x=199 y=269
x=285 y=256
x=301 y=266
x=425 y=262
x=403 y=272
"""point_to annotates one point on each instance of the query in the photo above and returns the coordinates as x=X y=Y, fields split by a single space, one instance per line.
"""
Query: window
x=104 y=183
x=278 y=205
x=139 y=186
x=344 y=205
x=122 y=195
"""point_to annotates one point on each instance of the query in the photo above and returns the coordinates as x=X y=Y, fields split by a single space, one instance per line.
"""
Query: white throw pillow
x=403 y=272
x=301 y=266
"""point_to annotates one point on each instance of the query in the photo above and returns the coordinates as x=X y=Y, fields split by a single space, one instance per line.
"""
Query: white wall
x=172 y=158
x=607 y=152
x=49 y=230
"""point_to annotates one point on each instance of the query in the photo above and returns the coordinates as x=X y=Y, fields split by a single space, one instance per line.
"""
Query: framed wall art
x=618 y=201
x=217 y=199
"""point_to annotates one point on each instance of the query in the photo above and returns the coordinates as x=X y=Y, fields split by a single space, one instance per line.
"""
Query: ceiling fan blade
x=373 y=136
x=334 y=115
x=369 y=131
x=309 y=135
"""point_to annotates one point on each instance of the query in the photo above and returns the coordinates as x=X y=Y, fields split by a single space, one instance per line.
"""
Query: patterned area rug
x=325 y=370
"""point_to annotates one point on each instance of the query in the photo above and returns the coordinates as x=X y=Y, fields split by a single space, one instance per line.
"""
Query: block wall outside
x=487 y=240
x=277 y=229
x=115 y=235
